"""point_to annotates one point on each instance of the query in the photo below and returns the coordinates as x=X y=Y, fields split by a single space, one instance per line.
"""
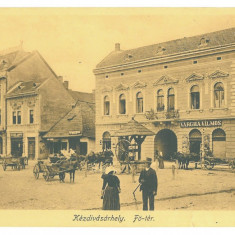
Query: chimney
x=117 y=46
x=66 y=84
x=60 y=78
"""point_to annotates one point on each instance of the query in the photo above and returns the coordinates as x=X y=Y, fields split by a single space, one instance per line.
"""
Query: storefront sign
x=201 y=123
x=74 y=132
x=16 y=135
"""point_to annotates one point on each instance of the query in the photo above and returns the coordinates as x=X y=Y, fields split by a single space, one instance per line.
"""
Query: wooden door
x=31 y=148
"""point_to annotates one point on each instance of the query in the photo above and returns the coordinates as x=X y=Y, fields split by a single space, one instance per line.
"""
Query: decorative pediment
x=218 y=74
x=107 y=89
x=194 y=77
x=164 y=80
x=121 y=87
x=16 y=105
x=139 y=84
x=31 y=103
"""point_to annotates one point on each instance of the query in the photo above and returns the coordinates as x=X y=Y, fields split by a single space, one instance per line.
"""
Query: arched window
x=106 y=105
x=122 y=104
x=195 y=97
x=219 y=95
x=106 y=141
x=160 y=100
x=171 y=99
x=195 y=140
x=218 y=135
x=219 y=143
x=139 y=103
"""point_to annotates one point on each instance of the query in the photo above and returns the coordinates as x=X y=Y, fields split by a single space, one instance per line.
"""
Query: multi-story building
x=32 y=100
x=183 y=90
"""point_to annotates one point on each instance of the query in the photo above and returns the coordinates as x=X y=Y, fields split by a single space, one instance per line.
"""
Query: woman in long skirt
x=110 y=190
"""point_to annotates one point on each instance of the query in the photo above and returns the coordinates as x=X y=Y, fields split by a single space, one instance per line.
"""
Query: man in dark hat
x=149 y=183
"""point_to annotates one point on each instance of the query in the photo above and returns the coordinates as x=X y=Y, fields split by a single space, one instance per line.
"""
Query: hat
x=148 y=159
x=110 y=169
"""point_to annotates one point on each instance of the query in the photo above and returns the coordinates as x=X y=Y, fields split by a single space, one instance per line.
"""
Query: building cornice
x=22 y=95
x=166 y=59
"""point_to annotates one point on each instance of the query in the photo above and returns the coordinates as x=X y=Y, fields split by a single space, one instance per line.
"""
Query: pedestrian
x=149 y=184
x=161 y=161
x=110 y=190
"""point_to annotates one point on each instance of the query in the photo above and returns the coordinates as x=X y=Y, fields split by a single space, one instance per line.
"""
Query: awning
x=132 y=128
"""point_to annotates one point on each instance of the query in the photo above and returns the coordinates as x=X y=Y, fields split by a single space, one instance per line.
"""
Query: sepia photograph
x=118 y=111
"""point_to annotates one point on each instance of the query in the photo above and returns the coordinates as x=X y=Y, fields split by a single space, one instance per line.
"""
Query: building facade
x=32 y=100
x=182 y=90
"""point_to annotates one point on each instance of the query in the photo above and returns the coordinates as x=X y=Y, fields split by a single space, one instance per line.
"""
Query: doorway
x=31 y=148
x=16 y=147
x=195 y=140
x=166 y=142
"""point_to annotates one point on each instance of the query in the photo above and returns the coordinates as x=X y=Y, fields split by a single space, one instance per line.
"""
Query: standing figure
x=110 y=190
x=149 y=184
x=161 y=161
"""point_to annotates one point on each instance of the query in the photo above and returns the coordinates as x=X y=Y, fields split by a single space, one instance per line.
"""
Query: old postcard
x=117 y=117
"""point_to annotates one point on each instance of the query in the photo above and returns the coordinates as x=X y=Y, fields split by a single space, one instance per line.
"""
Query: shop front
x=16 y=144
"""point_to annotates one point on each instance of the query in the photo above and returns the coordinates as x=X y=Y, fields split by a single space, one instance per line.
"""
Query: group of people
x=111 y=187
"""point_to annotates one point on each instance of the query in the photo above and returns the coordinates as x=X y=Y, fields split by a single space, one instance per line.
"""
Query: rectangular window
x=160 y=103
x=140 y=106
x=31 y=116
x=14 y=117
x=122 y=108
x=18 y=117
x=171 y=103
x=195 y=98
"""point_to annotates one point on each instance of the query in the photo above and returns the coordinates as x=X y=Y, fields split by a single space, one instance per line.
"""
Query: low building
x=76 y=130
x=182 y=90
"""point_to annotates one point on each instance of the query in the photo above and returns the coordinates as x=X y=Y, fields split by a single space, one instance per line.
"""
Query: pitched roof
x=11 y=56
x=80 y=121
x=133 y=128
x=82 y=96
x=71 y=122
x=209 y=40
x=24 y=88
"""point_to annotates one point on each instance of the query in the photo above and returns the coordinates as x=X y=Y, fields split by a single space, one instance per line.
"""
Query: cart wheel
x=46 y=175
x=208 y=165
x=231 y=165
x=4 y=166
x=36 y=171
x=62 y=176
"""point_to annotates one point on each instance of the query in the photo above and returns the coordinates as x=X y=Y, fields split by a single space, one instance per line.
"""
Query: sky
x=74 y=40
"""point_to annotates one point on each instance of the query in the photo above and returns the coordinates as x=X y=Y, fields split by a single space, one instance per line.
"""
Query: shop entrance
x=195 y=140
x=166 y=142
x=16 y=147
x=31 y=148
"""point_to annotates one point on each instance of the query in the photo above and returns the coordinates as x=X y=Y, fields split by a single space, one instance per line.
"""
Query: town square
x=107 y=111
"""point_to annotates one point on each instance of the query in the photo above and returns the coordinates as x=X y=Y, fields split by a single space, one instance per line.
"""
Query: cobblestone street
x=191 y=189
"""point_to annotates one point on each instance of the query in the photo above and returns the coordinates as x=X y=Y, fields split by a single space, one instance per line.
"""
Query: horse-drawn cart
x=14 y=162
x=60 y=168
x=209 y=162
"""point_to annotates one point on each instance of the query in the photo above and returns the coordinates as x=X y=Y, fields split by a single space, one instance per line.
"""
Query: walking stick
x=135 y=197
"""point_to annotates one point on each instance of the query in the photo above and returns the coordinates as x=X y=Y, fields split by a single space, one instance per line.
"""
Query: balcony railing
x=171 y=114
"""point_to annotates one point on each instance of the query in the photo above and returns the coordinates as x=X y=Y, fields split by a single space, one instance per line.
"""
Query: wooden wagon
x=16 y=163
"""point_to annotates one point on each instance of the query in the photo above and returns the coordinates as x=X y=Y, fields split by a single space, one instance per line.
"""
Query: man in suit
x=149 y=183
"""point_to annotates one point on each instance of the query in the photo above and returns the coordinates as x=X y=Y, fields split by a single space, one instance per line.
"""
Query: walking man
x=149 y=183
